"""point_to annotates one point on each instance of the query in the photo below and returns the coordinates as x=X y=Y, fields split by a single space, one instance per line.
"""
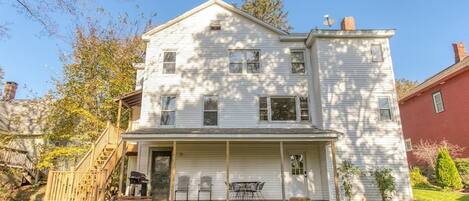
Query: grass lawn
x=434 y=194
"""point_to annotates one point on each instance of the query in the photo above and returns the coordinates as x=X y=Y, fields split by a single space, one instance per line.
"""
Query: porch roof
x=231 y=134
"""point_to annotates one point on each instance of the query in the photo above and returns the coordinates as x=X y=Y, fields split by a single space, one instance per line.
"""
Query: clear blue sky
x=421 y=47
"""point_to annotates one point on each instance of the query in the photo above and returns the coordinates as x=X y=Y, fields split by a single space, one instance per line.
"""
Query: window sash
x=169 y=63
x=299 y=109
x=438 y=102
x=298 y=61
x=168 y=110
x=281 y=110
x=384 y=107
x=242 y=60
x=210 y=111
x=304 y=110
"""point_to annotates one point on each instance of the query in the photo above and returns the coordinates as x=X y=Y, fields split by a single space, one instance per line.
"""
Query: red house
x=438 y=108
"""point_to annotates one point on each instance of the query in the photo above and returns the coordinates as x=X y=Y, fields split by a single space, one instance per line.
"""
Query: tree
x=269 y=11
x=447 y=175
x=100 y=70
x=427 y=151
x=403 y=86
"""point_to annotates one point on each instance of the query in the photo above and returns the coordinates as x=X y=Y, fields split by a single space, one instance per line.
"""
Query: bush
x=463 y=168
x=417 y=179
x=347 y=173
x=386 y=183
x=447 y=175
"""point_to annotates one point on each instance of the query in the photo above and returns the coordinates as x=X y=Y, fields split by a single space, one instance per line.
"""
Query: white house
x=224 y=95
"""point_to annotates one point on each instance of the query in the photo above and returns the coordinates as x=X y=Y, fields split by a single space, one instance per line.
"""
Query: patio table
x=245 y=190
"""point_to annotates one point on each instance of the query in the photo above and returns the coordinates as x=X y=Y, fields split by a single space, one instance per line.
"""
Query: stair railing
x=17 y=158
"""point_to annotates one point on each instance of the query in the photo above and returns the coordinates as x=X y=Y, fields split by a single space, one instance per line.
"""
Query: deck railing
x=18 y=159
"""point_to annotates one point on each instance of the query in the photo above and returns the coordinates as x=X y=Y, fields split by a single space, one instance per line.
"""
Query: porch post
x=122 y=168
x=227 y=166
x=173 y=172
x=119 y=111
x=336 y=175
x=282 y=170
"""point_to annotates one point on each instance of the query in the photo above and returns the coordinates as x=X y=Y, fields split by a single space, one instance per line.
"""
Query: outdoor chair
x=182 y=186
x=205 y=186
x=258 y=194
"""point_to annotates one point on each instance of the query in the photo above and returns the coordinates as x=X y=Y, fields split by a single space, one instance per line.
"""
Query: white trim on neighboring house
x=362 y=33
x=146 y=36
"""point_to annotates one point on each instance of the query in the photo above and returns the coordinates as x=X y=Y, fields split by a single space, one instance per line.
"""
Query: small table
x=244 y=190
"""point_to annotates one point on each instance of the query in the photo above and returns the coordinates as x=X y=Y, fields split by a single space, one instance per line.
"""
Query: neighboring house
x=225 y=95
x=438 y=108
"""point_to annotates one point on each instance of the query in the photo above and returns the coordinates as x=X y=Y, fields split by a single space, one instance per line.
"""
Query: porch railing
x=16 y=158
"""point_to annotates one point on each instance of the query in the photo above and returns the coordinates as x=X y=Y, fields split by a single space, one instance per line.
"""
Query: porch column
x=282 y=170
x=334 y=167
x=173 y=172
x=119 y=111
x=227 y=166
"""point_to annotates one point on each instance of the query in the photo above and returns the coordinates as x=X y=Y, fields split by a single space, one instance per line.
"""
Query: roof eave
x=361 y=33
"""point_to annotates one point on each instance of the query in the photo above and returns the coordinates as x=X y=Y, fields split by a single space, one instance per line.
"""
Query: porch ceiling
x=231 y=134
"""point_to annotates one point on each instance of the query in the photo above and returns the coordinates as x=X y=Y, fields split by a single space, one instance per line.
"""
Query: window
x=376 y=53
x=304 y=109
x=169 y=63
x=408 y=144
x=297 y=164
x=298 y=61
x=244 y=60
x=168 y=110
x=215 y=25
x=384 y=108
x=263 y=109
x=210 y=110
x=284 y=108
x=438 y=102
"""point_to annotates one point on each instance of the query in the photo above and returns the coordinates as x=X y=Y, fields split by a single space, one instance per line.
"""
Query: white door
x=298 y=174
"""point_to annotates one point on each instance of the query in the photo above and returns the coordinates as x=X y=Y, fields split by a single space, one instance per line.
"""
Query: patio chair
x=258 y=194
x=205 y=186
x=182 y=186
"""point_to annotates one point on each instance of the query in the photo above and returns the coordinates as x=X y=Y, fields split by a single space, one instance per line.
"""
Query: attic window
x=215 y=25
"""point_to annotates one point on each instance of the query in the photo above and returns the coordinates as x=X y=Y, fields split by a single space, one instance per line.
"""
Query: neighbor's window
x=408 y=144
x=263 y=109
x=168 y=110
x=297 y=164
x=297 y=61
x=169 y=62
x=438 y=102
x=304 y=109
x=384 y=108
x=244 y=60
x=210 y=110
x=376 y=53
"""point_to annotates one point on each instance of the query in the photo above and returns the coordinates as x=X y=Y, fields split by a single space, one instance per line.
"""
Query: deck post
x=173 y=172
x=336 y=175
x=122 y=169
x=119 y=111
x=282 y=170
x=227 y=165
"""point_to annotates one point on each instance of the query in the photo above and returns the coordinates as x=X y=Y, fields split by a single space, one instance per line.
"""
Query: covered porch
x=288 y=162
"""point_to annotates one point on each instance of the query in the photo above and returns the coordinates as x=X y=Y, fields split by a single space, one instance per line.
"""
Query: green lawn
x=428 y=194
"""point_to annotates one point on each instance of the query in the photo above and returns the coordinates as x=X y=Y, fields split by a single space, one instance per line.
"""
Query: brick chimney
x=348 y=24
x=459 y=51
x=10 y=91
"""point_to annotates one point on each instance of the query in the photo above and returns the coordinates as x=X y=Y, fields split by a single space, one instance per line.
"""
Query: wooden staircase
x=89 y=178
x=19 y=159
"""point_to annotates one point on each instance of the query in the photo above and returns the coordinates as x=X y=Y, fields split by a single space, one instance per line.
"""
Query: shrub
x=447 y=175
x=386 y=183
x=347 y=172
x=427 y=152
x=463 y=167
x=417 y=179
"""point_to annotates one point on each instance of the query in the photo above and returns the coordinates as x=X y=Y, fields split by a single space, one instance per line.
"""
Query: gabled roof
x=439 y=78
x=201 y=7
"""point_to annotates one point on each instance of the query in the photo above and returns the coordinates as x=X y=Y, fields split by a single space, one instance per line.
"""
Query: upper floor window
x=376 y=53
x=169 y=62
x=168 y=110
x=438 y=102
x=244 y=60
x=210 y=110
x=297 y=61
x=283 y=108
x=384 y=108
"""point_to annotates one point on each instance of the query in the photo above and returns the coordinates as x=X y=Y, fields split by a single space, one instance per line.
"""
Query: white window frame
x=380 y=57
x=161 y=110
x=244 y=61
x=291 y=60
x=297 y=109
x=165 y=62
x=204 y=110
x=391 y=116
x=435 y=103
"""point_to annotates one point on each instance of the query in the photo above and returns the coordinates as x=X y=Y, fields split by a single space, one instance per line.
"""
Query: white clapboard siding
x=350 y=84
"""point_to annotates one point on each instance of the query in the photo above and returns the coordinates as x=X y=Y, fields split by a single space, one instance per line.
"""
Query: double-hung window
x=384 y=108
x=168 y=110
x=297 y=61
x=244 y=61
x=283 y=108
x=438 y=102
x=169 y=62
x=210 y=110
